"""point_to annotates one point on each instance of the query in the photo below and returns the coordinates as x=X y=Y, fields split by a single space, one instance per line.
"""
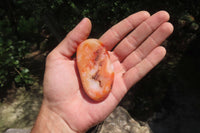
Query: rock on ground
x=119 y=121
x=13 y=130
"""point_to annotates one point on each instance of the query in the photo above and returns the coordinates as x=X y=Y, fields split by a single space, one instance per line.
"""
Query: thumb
x=68 y=45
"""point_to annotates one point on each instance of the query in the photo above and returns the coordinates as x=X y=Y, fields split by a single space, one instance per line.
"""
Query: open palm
x=133 y=45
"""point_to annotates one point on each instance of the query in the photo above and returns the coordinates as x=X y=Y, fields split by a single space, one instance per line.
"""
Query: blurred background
x=168 y=98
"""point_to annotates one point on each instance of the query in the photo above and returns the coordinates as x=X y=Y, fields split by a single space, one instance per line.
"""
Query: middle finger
x=136 y=37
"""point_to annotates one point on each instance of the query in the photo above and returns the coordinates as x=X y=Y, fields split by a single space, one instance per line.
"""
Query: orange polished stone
x=95 y=69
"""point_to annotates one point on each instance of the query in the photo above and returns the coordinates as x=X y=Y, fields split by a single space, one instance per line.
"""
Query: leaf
x=17 y=79
x=16 y=62
x=25 y=70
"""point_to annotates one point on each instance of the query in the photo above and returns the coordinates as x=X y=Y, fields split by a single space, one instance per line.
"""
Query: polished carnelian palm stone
x=95 y=69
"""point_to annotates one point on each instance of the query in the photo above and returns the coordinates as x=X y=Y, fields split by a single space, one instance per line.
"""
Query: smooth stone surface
x=95 y=69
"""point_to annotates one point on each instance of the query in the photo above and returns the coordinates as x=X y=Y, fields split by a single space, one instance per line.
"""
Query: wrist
x=50 y=122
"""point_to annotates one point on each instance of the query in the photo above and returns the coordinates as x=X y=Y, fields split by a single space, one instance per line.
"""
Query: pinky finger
x=137 y=72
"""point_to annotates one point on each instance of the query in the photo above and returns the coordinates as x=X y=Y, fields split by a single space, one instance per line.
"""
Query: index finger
x=116 y=33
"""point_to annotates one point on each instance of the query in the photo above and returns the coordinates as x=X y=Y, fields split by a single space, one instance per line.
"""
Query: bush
x=12 y=53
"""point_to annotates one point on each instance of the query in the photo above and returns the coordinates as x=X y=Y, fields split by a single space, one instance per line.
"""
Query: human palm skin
x=134 y=49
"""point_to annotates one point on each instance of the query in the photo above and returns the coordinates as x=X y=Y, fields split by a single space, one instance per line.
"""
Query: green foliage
x=27 y=26
x=13 y=49
x=12 y=53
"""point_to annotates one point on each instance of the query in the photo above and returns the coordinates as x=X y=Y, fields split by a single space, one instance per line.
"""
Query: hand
x=134 y=49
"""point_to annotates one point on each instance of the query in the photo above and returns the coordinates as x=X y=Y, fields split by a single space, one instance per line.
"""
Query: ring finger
x=136 y=37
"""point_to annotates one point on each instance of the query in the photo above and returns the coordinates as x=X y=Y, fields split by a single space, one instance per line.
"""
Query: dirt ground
x=20 y=108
